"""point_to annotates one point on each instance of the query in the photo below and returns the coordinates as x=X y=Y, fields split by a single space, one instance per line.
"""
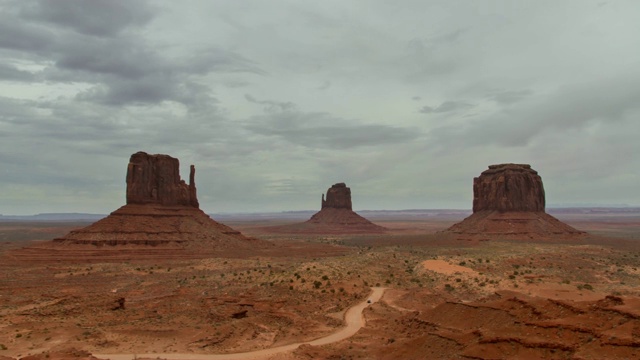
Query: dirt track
x=353 y=319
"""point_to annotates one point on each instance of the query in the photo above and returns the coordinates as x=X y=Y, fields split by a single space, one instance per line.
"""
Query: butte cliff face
x=509 y=202
x=338 y=197
x=508 y=187
x=161 y=219
x=155 y=179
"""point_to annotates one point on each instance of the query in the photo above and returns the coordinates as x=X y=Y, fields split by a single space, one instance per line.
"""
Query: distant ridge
x=54 y=217
x=303 y=214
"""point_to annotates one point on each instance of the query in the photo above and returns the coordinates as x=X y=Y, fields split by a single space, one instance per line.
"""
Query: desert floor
x=445 y=298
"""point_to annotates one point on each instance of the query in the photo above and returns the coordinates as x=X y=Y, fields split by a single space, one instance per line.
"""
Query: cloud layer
x=274 y=102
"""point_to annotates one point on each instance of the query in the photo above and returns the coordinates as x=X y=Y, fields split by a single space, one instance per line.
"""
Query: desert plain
x=444 y=298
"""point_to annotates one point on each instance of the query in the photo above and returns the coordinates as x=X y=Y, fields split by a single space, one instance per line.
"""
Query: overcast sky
x=274 y=101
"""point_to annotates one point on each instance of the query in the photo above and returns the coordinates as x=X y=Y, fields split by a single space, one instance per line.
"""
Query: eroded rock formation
x=338 y=197
x=161 y=219
x=335 y=217
x=508 y=187
x=155 y=179
x=509 y=202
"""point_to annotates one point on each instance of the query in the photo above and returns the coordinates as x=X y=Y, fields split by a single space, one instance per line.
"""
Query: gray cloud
x=508 y=97
x=20 y=36
x=570 y=108
x=98 y=18
x=446 y=107
x=85 y=84
x=105 y=49
x=322 y=130
x=11 y=73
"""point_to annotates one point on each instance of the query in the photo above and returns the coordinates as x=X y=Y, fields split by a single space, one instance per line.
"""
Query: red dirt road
x=353 y=319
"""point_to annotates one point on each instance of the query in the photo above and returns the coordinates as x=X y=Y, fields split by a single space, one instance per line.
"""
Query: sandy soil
x=444 y=299
x=353 y=319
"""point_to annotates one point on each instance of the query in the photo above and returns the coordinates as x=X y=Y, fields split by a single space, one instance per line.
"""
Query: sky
x=275 y=101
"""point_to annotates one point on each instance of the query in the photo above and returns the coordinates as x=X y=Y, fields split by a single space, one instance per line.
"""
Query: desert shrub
x=3 y=347
x=462 y=263
x=448 y=287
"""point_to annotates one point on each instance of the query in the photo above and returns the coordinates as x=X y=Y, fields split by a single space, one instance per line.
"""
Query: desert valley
x=159 y=278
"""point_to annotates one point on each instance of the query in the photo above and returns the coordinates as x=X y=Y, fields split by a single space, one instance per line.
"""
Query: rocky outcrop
x=338 y=197
x=509 y=203
x=155 y=179
x=508 y=187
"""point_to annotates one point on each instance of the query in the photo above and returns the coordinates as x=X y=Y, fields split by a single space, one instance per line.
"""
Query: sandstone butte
x=161 y=219
x=335 y=217
x=509 y=203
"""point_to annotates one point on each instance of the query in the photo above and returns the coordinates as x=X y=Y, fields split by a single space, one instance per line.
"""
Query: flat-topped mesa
x=338 y=197
x=508 y=187
x=155 y=179
x=508 y=203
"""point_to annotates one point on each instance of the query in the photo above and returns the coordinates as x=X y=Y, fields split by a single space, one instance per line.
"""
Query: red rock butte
x=161 y=219
x=335 y=217
x=509 y=203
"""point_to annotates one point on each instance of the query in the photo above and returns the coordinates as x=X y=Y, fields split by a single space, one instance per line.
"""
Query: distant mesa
x=509 y=203
x=161 y=219
x=335 y=217
x=338 y=197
